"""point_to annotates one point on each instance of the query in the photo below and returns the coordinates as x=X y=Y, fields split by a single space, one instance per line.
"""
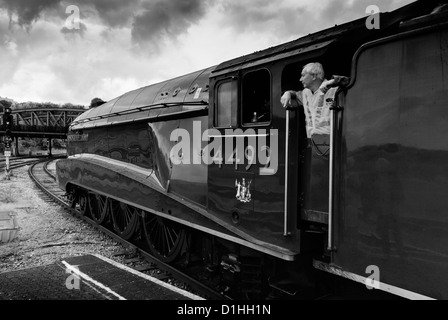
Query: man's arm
x=291 y=99
x=335 y=81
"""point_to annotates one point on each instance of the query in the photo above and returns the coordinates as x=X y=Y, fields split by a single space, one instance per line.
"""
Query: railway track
x=17 y=162
x=45 y=180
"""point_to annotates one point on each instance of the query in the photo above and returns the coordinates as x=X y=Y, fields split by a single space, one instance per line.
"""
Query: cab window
x=227 y=103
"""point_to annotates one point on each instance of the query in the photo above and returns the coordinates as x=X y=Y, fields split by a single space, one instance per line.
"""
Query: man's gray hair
x=316 y=69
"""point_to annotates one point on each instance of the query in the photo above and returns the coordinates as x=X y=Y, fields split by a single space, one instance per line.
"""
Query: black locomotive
x=211 y=165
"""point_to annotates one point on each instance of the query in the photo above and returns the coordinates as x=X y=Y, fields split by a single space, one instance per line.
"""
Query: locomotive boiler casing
x=146 y=149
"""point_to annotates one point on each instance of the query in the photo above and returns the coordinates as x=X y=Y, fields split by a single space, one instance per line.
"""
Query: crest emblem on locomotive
x=243 y=190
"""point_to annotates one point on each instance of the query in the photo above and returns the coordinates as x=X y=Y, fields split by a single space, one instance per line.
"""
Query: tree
x=5 y=104
x=96 y=102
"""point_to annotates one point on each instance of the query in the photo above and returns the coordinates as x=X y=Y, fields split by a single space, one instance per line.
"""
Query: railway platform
x=89 y=277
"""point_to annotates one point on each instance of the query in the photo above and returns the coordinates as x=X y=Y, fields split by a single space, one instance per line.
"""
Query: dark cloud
x=113 y=13
x=163 y=19
x=151 y=21
x=26 y=11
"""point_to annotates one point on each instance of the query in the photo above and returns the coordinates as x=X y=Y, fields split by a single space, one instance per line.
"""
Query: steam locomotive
x=211 y=165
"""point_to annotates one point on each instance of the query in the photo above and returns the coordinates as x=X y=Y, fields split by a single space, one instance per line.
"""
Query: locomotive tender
x=210 y=162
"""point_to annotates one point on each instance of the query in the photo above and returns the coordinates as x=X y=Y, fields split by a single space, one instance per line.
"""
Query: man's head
x=312 y=76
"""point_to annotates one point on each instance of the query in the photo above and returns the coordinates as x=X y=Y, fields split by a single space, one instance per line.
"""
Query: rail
x=175 y=273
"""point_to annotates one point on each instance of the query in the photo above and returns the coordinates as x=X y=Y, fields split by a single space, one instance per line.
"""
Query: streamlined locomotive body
x=211 y=162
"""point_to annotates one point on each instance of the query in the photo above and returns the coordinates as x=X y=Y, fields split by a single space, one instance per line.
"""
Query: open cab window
x=256 y=95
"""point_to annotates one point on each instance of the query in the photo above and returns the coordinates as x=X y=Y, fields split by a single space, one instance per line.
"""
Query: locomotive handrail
x=334 y=109
x=139 y=109
x=286 y=213
x=330 y=182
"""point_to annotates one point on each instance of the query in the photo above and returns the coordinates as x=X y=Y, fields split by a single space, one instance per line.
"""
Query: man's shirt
x=317 y=112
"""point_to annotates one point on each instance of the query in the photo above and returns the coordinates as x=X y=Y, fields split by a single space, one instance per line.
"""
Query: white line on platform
x=87 y=278
x=147 y=277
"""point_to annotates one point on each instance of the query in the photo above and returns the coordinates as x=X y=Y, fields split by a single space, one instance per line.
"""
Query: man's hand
x=327 y=84
x=334 y=82
x=288 y=100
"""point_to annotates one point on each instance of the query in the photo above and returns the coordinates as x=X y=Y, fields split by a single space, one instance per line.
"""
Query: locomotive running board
x=320 y=265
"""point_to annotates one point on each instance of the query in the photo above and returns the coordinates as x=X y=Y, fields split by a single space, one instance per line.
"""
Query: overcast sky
x=47 y=55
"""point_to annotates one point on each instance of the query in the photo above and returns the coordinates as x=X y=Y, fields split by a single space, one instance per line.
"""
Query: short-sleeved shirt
x=317 y=112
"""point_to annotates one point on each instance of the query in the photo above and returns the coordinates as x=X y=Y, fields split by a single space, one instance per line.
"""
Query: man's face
x=306 y=79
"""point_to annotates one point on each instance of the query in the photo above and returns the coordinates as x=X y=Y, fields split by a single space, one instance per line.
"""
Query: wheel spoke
x=97 y=204
x=83 y=203
x=171 y=238
x=165 y=238
x=124 y=218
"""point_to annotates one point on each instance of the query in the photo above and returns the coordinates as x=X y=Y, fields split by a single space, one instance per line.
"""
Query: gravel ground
x=47 y=233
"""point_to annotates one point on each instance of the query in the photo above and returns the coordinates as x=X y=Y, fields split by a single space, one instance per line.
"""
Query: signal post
x=8 y=122
x=7 y=156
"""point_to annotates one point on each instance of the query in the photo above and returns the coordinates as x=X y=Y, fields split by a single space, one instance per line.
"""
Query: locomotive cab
x=286 y=202
x=261 y=179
